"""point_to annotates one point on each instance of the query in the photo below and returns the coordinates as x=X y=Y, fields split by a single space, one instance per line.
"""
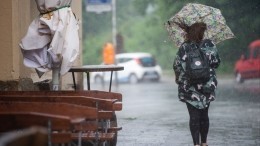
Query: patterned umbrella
x=217 y=29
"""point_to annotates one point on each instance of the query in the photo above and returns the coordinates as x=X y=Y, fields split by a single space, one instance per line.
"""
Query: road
x=153 y=116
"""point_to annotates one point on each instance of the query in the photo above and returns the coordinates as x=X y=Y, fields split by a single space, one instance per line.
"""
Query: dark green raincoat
x=198 y=95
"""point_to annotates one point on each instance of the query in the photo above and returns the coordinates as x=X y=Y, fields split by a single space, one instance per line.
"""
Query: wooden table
x=95 y=68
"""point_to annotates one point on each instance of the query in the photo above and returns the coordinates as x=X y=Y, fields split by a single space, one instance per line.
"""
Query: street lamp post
x=114 y=22
x=114 y=33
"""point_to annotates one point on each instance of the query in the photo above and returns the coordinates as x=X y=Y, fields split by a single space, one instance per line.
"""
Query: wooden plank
x=92 y=136
x=102 y=104
x=85 y=126
x=102 y=94
x=33 y=136
x=20 y=119
x=61 y=137
x=63 y=109
x=112 y=129
x=105 y=115
x=118 y=106
x=89 y=93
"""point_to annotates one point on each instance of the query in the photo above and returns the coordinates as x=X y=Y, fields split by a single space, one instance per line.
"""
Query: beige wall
x=15 y=17
x=6 y=54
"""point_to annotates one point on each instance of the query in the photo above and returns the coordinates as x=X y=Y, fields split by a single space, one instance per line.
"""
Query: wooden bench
x=101 y=104
x=107 y=103
x=86 y=127
x=89 y=93
x=106 y=106
x=64 y=109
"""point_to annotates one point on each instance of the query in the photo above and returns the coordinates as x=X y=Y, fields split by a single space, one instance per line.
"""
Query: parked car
x=137 y=67
x=248 y=66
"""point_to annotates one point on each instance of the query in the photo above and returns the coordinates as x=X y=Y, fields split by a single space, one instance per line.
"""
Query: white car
x=137 y=67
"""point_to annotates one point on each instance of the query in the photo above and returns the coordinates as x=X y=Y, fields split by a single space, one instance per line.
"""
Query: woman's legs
x=194 y=123
x=204 y=125
x=199 y=124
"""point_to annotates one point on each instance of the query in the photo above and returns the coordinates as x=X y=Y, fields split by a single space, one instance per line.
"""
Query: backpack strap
x=203 y=42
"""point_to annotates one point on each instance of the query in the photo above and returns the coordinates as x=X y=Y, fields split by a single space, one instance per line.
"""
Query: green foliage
x=140 y=6
x=92 y=54
x=143 y=31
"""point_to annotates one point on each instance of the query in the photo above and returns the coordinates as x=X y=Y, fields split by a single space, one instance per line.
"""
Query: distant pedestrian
x=197 y=96
x=108 y=54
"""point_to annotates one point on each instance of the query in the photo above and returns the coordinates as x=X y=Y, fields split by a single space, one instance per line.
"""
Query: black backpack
x=197 y=64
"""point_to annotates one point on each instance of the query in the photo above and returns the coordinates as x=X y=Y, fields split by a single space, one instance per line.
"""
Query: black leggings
x=199 y=124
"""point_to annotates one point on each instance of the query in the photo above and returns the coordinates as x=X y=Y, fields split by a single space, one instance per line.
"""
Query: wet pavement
x=153 y=116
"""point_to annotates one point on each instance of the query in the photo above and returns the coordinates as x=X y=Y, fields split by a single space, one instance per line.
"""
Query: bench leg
x=80 y=140
x=88 y=80
x=113 y=123
x=110 y=84
x=74 y=81
x=49 y=132
x=105 y=143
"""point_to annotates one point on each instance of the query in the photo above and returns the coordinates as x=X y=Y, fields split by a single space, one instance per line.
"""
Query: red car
x=248 y=66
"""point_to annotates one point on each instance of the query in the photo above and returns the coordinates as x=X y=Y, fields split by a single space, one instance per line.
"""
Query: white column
x=114 y=23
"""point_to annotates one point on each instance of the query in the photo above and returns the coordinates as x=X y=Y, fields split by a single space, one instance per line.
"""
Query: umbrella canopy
x=217 y=29
x=52 y=38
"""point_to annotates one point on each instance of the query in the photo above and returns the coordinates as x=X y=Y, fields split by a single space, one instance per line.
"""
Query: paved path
x=153 y=116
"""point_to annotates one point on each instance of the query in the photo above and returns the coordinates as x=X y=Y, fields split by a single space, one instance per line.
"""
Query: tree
x=144 y=31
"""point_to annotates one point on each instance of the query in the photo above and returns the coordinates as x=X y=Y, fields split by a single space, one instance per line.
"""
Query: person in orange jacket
x=108 y=54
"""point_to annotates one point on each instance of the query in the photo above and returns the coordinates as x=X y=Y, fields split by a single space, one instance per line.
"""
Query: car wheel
x=239 y=78
x=156 y=80
x=133 y=79
x=98 y=79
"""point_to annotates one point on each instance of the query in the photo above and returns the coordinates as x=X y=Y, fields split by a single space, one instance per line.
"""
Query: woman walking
x=197 y=96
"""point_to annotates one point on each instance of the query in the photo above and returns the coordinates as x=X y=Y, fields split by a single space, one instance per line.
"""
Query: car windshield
x=247 y=54
x=147 y=61
x=123 y=60
x=256 y=53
